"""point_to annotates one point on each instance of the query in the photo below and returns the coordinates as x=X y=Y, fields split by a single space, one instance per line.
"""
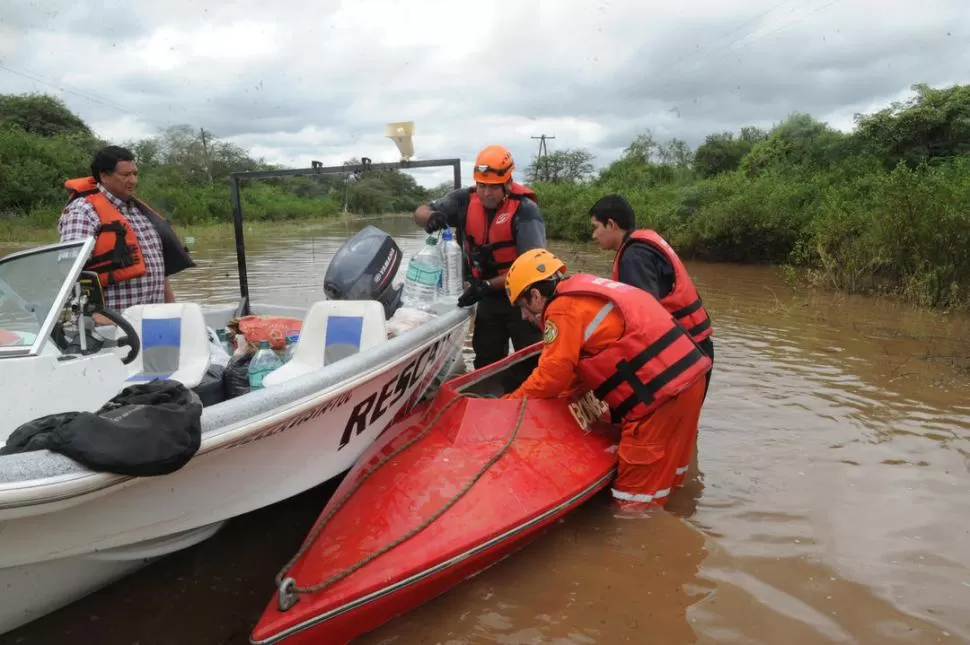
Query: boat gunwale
x=232 y=420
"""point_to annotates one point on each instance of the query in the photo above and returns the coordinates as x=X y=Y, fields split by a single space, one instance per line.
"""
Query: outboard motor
x=363 y=269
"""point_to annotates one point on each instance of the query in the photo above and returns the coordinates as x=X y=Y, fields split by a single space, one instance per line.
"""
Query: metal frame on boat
x=66 y=530
x=316 y=169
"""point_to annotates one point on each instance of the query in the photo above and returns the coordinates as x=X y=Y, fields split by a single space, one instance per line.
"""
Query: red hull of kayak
x=463 y=485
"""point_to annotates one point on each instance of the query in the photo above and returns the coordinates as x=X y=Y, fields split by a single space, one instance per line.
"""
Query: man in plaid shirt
x=116 y=176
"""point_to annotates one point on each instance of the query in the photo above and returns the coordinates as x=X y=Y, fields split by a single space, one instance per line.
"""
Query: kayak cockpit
x=500 y=378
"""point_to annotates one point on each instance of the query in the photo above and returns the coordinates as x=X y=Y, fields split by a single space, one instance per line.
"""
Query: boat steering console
x=76 y=330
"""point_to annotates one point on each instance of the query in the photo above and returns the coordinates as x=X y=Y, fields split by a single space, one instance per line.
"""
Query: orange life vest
x=490 y=248
x=652 y=362
x=683 y=302
x=117 y=256
x=275 y=329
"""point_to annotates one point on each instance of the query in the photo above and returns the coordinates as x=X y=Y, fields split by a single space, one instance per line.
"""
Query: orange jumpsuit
x=654 y=451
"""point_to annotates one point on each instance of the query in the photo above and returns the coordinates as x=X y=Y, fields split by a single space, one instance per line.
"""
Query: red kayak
x=444 y=493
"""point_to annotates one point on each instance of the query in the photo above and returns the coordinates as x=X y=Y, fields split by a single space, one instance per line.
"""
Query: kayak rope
x=288 y=589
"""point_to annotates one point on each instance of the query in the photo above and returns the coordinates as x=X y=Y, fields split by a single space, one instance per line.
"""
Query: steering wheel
x=130 y=337
x=94 y=343
x=88 y=301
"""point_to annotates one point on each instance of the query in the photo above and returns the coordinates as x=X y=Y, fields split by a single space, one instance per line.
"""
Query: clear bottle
x=423 y=275
x=290 y=348
x=264 y=361
x=451 y=280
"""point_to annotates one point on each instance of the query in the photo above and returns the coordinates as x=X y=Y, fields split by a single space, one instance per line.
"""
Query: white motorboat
x=67 y=530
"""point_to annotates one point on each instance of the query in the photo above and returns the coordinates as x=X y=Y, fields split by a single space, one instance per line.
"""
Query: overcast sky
x=319 y=79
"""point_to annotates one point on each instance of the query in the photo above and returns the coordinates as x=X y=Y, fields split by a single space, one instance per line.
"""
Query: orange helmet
x=531 y=267
x=493 y=165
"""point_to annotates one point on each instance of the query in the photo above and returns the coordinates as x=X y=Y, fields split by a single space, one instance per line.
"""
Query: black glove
x=475 y=292
x=436 y=221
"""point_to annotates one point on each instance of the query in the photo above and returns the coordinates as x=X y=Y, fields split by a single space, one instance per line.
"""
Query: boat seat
x=174 y=345
x=332 y=330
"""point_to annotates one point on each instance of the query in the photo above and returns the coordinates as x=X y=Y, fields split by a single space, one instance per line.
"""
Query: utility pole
x=205 y=156
x=543 y=154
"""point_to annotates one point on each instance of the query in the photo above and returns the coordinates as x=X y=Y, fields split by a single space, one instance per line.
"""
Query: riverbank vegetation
x=884 y=208
x=182 y=172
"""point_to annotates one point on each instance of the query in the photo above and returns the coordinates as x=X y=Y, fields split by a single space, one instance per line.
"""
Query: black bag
x=235 y=378
x=153 y=428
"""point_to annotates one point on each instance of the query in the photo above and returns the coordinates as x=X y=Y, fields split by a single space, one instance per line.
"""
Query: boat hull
x=342 y=626
x=444 y=494
x=68 y=531
x=43 y=587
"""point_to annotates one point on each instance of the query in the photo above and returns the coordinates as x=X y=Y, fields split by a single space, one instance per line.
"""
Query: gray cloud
x=311 y=82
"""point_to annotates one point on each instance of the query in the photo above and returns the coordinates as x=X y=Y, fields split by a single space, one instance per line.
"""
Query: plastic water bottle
x=264 y=361
x=290 y=348
x=451 y=266
x=423 y=275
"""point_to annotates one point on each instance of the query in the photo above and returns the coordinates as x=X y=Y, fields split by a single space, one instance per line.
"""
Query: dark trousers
x=496 y=321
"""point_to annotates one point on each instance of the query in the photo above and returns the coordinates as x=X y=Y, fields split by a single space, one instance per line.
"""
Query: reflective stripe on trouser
x=687 y=451
x=654 y=453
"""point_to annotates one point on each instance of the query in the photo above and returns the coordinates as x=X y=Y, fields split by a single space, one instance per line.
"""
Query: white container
x=451 y=278
x=423 y=275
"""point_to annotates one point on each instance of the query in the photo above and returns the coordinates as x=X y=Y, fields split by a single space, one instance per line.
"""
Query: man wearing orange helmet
x=620 y=343
x=497 y=219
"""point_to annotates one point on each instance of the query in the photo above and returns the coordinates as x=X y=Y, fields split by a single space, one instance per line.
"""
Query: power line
x=206 y=137
x=726 y=34
x=788 y=24
x=69 y=89
x=719 y=52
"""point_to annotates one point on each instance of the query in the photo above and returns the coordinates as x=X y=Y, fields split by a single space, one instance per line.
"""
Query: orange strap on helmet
x=493 y=165
x=529 y=268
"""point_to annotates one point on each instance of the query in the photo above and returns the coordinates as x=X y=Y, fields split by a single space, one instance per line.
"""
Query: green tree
x=721 y=152
x=33 y=169
x=934 y=124
x=40 y=114
x=642 y=149
x=798 y=141
x=561 y=166
x=676 y=153
x=441 y=190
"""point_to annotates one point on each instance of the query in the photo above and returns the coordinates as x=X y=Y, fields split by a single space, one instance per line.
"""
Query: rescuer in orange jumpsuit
x=619 y=342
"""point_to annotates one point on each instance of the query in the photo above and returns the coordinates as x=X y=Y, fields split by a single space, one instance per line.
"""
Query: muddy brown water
x=829 y=502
